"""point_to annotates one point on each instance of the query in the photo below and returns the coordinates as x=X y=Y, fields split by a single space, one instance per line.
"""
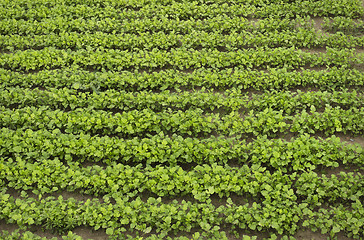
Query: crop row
x=231 y=100
x=111 y=59
x=147 y=41
x=216 y=235
x=28 y=235
x=300 y=153
x=126 y=4
x=139 y=4
x=181 y=10
x=201 y=182
x=213 y=235
x=184 y=10
x=282 y=216
x=345 y=25
x=279 y=79
x=221 y=24
x=191 y=122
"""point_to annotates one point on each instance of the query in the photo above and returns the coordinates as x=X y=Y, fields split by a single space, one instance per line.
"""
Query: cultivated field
x=177 y=119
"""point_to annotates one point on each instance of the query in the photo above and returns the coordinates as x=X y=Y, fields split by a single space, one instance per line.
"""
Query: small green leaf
x=76 y=85
x=30 y=221
x=17 y=217
x=148 y=229
x=336 y=229
x=109 y=231
x=196 y=235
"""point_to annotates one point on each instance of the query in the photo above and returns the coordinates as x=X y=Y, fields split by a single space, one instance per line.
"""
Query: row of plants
x=216 y=235
x=18 y=234
x=281 y=216
x=201 y=182
x=300 y=38
x=231 y=100
x=294 y=9
x=344 y=24
x=111 y=59
x=184 y=10
x=279 y=79
x=139 y=4
x=191 y=122
x=298 y=154
x=221 y=24
x=126 y=4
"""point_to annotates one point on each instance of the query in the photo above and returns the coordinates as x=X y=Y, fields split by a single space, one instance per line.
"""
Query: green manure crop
x=175 y=119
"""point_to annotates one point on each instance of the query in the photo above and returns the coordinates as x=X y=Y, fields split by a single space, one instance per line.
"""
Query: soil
x=318 y=23
x=352 y=139
x=89 y=233
x=309 y=235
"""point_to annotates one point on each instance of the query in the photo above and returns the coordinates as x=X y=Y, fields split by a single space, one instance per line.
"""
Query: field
x=176 y=119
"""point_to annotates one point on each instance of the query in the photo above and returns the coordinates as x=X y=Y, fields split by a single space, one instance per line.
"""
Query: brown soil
x=89 y=233
x=314 y=50
x=346 y=169
x=309 y=235
x=351 y=139
x=318 y=21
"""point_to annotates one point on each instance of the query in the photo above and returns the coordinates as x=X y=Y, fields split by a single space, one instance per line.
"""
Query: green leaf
x=76 y=85
x=336 y=229
x=148 y=229
x=30 y=221
x=196 y=235
x=17 y=217
x=168 y=219
x=110 y=231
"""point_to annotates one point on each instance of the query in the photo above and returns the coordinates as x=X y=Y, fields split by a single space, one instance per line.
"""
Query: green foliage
x=300 y=37
x=344 y=25
x=27 y=235
x=181 y=216
x=233 y=107
x=207 y=100
x=278 y=79
x=178 y=58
